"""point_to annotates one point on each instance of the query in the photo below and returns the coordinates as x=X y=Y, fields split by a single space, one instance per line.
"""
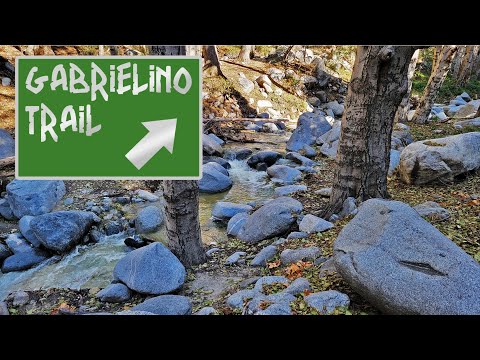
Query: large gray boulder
x=283 y=174
x=7 y=144
x=211 y=147
x=441 y=159
x=214 y=179
x=224 y=210
x=149 y=219
x=60 y=231
x=403 y=265
x=34 y=197
x=467 y=110
x=309 y=127
x=272 y=219
x=152 y=269
x=166 y=305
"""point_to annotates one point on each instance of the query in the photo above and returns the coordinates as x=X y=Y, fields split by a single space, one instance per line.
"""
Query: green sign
x=91 y=117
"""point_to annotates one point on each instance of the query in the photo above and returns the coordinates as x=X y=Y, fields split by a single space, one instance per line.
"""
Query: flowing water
x=92 y=265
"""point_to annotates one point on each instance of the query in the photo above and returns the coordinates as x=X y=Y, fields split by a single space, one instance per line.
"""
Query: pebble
x=20 y=298
x=212 y=251
x=234 y=258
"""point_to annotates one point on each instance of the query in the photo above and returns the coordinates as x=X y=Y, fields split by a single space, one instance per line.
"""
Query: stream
x=89 y=266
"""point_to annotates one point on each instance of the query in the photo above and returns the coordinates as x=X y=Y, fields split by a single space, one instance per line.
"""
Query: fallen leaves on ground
x=294 y=271
x=62 y=308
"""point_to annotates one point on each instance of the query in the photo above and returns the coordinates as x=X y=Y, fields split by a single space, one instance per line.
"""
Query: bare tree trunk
x=378 y=84
x=439 y=73
x=101 y=50
x=467 y=65
x=182 y=201
x=435 y=56
x=457 y=61
x=245 y=52
x=183 y=227
x=401 y=115
x=113 y=50
x=212 y=64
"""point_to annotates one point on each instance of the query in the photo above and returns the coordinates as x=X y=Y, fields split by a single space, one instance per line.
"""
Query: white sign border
x=91 y=57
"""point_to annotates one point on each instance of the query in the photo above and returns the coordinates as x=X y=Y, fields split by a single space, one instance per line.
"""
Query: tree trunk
x=113 y=50
x=401 y=115
x=101 y=50
x=439 y=73
x=457 y=61
x=468 y=63
x=212 y=64
x=182 y=201
x=378 y=84
x=435 y=56
x=182 y=221
x=245 y=52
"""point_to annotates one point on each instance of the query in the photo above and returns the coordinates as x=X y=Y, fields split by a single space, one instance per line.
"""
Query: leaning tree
x=378 y=84
x=182 y=200
x=437 y=77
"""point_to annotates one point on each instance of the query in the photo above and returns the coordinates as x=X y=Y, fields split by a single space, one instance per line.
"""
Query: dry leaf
x=274 y=264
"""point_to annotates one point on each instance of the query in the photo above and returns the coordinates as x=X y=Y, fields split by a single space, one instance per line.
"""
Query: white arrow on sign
x=161 y=133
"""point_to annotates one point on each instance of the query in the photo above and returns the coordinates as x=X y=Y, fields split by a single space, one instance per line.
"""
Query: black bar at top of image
x=308 y=23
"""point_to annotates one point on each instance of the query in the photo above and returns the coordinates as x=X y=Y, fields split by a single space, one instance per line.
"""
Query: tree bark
x=212 y=64
x=457 y=61
x=401 y=115
x=182 y=221
x=101 y=50
x=182 y=201
x=378 y=84
x=468 y=63
x=437 y=77
x=245 y=53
